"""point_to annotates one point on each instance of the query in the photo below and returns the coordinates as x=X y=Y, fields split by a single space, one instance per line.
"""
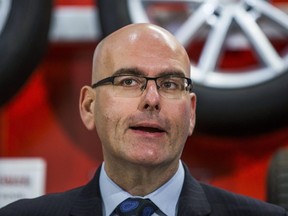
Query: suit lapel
x=89 y=201
x=192 y=199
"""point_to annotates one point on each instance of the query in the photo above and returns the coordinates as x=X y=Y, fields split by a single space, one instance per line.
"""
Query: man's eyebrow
x=172 y=72
x=129 y=71
x=138 y=72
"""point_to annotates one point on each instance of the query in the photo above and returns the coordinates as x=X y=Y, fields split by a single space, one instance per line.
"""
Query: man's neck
x=139 y=180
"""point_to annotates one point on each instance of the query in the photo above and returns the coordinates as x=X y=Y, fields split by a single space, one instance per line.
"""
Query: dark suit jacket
x=196 y=199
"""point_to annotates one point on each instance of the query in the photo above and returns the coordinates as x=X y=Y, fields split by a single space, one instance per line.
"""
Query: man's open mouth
x=148 y=129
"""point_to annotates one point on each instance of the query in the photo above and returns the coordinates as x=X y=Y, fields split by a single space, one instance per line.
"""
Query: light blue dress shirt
x=166 y=197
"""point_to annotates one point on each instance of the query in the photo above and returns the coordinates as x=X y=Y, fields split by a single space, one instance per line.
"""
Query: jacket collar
x=89 y=201
x=192 y=201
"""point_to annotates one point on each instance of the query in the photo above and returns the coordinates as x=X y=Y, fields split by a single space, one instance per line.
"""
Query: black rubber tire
x=242 y=111
x=113 y=15
x=23 y=42
x=277 y=184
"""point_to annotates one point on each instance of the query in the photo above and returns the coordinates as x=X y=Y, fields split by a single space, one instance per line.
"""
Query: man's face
x=150 y=129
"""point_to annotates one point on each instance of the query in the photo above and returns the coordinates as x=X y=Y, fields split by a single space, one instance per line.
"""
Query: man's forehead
x=140 y=41
x=149 y=37
x=139 y=72
x=149 y=61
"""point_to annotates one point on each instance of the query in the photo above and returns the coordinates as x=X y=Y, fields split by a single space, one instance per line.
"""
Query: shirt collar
x=165 y=197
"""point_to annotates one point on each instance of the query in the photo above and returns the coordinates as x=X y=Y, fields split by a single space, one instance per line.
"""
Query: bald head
x=145 y=41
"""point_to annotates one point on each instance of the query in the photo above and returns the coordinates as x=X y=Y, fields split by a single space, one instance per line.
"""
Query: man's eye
x=128 y=82
x=170 y=85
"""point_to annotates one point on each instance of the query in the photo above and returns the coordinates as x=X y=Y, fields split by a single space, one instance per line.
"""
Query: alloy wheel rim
x=235 y=25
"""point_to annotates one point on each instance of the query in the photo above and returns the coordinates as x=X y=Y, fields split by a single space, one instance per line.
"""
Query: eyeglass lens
x=133 y=86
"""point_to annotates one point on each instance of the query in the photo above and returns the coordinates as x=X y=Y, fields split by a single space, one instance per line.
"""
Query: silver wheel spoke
x=5 y=7
x=215 y=42
x=192 y=25
x=138 y=13
x=271 y=12
x=259 y=41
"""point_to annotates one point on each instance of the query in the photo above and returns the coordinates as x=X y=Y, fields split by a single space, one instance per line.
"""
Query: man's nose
x=150 y=99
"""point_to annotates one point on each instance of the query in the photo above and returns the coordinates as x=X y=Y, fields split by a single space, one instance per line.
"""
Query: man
x=142 y=105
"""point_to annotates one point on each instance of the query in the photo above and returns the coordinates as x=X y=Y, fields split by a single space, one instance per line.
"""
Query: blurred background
x=239 y=59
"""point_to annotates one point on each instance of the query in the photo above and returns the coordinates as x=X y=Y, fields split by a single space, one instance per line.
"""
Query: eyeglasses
x=169 y=86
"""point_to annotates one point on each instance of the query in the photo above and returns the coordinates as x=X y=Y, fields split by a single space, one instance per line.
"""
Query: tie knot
x=136 y=207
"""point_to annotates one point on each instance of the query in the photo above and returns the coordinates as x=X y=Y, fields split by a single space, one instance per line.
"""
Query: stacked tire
x=23 y=41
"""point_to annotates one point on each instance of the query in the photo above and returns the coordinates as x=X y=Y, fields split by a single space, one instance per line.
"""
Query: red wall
x=42 y=120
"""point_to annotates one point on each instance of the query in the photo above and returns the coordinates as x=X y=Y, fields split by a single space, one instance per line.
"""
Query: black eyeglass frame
x=107 y=80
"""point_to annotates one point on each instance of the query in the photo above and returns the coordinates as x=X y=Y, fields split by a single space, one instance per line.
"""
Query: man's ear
x=193 y=114
x=86 y=107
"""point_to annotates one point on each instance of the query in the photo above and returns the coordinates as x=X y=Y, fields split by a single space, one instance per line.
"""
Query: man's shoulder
x=228 y=202
x=51 y=204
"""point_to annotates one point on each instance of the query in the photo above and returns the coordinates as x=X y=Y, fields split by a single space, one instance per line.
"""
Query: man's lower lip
x=148 y=133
